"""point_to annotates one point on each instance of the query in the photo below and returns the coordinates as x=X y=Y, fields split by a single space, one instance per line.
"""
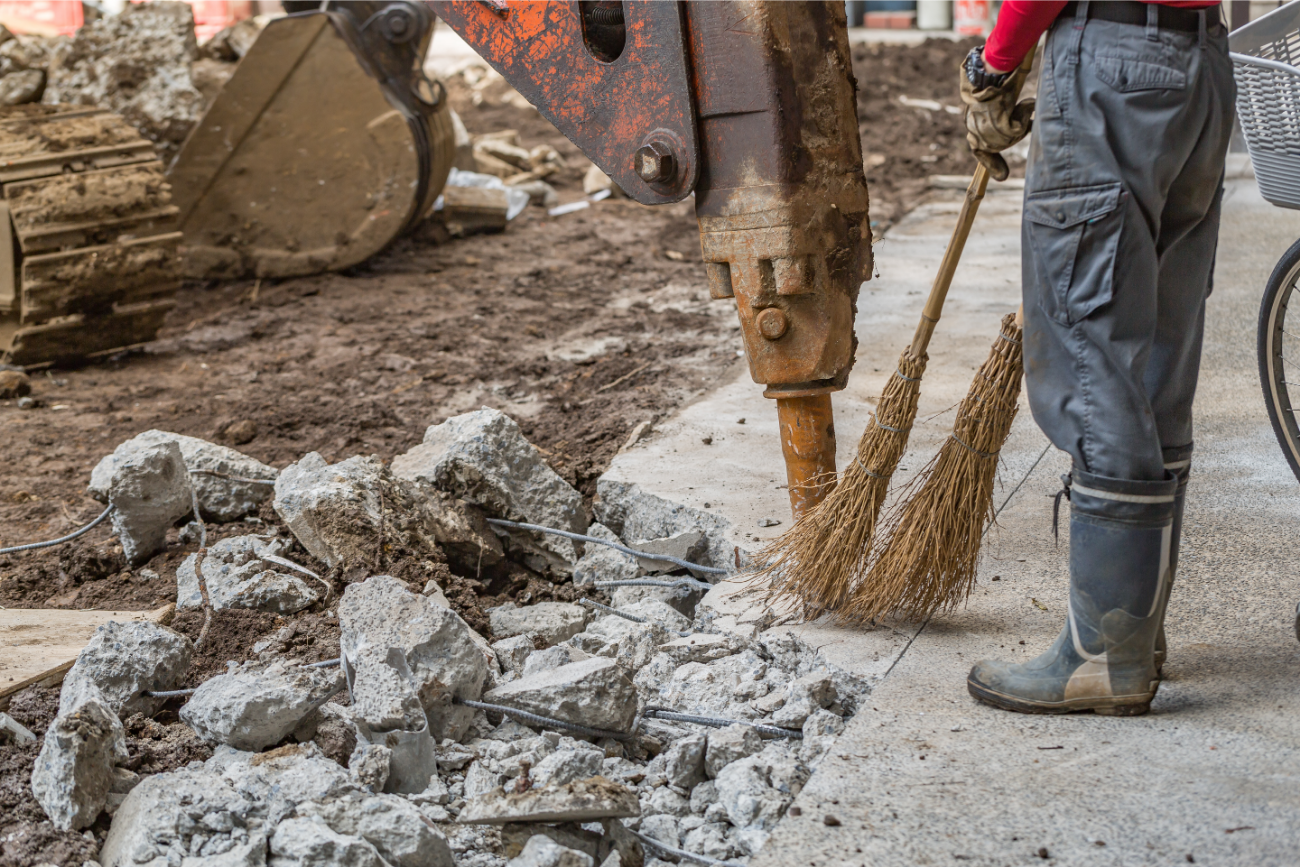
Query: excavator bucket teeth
x=326 y=144
x=89 y=252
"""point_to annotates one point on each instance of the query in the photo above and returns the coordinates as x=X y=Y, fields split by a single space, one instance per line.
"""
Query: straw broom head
x=929 y=561
x=815 y=563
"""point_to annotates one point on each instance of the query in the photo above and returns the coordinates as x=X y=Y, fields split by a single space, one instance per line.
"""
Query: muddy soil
x=581 y=327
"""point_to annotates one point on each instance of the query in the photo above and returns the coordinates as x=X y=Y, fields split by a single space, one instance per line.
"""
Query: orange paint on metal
x=808 y=444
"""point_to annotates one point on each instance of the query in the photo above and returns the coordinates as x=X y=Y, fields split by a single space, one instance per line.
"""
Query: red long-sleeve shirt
x=1021 y=22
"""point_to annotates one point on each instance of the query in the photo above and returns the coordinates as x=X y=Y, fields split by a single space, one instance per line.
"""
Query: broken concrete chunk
x=253 y=707
x=593 y=693
x=14 y=732
x=220 y=499
x=22 y=86
x=513 y=652
x=709 y=840
x=156 y=816
x=334 y=510
x=684 y=761
x=662 y=828
x=149 y=491
x=756 y=790
x=805 y=696
x=484 y=458
x=636 y=514
x=370 y=765
x=730 y=745
x=392 y=825
x=542 y=851
x=565 y=766
x=279 y=780
x=552 y=657
x=312 y=843
x=704 y=796
x=663 y=800
x=552 y=622
x=690 y=545
x=73 y=774
x=579 y=801
x=155 y=41
x=429 y=647
x=238 y=577
x=602 y=563
x=123 y=660
x=413 y=757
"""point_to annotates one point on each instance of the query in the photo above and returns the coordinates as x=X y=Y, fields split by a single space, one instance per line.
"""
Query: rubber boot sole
x=1120 y=705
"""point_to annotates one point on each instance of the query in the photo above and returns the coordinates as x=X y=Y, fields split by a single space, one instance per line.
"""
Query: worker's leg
x=1120 y=116
x=1189 y=234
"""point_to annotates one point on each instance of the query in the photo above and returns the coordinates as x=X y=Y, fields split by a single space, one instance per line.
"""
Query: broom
x=817 y=561
x=934 y=536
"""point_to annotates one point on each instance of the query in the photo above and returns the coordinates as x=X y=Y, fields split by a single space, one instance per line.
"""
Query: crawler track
x=89 y=255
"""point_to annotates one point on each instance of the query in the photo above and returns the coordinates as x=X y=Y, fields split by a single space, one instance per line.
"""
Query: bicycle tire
x=1271 y=350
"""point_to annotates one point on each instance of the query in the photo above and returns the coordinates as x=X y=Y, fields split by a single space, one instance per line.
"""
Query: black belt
x=1126 y=12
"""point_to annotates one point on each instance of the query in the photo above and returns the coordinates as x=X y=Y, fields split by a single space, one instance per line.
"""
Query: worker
x=1123 y=192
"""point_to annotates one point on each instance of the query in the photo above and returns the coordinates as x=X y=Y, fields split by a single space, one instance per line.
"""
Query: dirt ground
x=581 y=327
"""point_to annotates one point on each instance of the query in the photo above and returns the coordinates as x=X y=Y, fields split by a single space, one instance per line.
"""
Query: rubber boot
x=1178 y=461
x=1104 y=658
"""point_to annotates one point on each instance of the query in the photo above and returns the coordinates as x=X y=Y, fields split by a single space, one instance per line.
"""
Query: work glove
x=994 y=120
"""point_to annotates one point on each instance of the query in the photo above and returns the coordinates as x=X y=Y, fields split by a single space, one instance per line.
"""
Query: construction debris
x=444 y=728
x=254 y=707
x=123 y=661
x=220 y=475
x=148 y=487
x=137 y=64
x=238 y=576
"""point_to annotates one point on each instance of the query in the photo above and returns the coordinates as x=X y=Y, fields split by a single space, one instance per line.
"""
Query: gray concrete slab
x=925 y=775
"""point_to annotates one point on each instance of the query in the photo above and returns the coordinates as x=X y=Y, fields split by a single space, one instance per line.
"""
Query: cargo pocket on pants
x=1074 y=237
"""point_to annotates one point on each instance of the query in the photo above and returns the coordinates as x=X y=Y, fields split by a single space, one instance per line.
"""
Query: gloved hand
x=994 y=120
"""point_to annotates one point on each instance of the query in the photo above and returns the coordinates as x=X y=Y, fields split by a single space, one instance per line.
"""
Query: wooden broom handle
x=979 y=182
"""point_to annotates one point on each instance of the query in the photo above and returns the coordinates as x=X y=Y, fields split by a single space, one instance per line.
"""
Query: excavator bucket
x=326 y=144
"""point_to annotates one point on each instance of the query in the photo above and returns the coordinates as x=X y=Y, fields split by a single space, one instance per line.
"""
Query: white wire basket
x=1266 y=57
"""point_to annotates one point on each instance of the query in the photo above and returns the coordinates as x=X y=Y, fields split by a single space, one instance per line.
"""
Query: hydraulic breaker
x=750 y=106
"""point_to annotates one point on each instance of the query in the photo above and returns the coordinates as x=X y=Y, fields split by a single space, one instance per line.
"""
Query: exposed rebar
x=676 y=561
x=59 y=541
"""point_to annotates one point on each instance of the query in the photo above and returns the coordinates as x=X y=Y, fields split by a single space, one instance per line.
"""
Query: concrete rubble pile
x=581 y=775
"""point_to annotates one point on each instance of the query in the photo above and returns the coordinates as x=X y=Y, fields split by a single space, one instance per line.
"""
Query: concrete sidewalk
x=924 y=775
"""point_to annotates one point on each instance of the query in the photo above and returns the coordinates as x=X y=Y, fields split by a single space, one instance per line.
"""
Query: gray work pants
x=1121 y=219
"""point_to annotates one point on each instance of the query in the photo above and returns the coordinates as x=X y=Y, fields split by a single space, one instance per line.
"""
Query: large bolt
x=772 y=323
x=655 y=162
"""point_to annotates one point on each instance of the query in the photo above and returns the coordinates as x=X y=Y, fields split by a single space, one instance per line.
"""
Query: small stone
x=756 y=790
x=579 y=801
x=729 y=745
x=703 y=796
x=542 y=851
x=690 y=546
x=73 y=774
x=664 y=800
x=593 y=693
x=483 y=458
x=14 y=383
x=595 y=181
x=803 y=697
x=684 y=761
x=149 y=490
x=565 y=766
x=370 y=764
x=553 y=622
x=552 y=657
x=310 y=843
x=662 y=828
x=220 y=499
x=124 y=660
x=830 y=821
x=513 y=652
x=251 y=708
x=27 y=403
x=709 y=840
x=241 y=432
x=769 y=522
x=14 y=732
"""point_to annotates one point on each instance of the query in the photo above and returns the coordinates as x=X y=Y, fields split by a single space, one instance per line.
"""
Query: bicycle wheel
x=1279 y=354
